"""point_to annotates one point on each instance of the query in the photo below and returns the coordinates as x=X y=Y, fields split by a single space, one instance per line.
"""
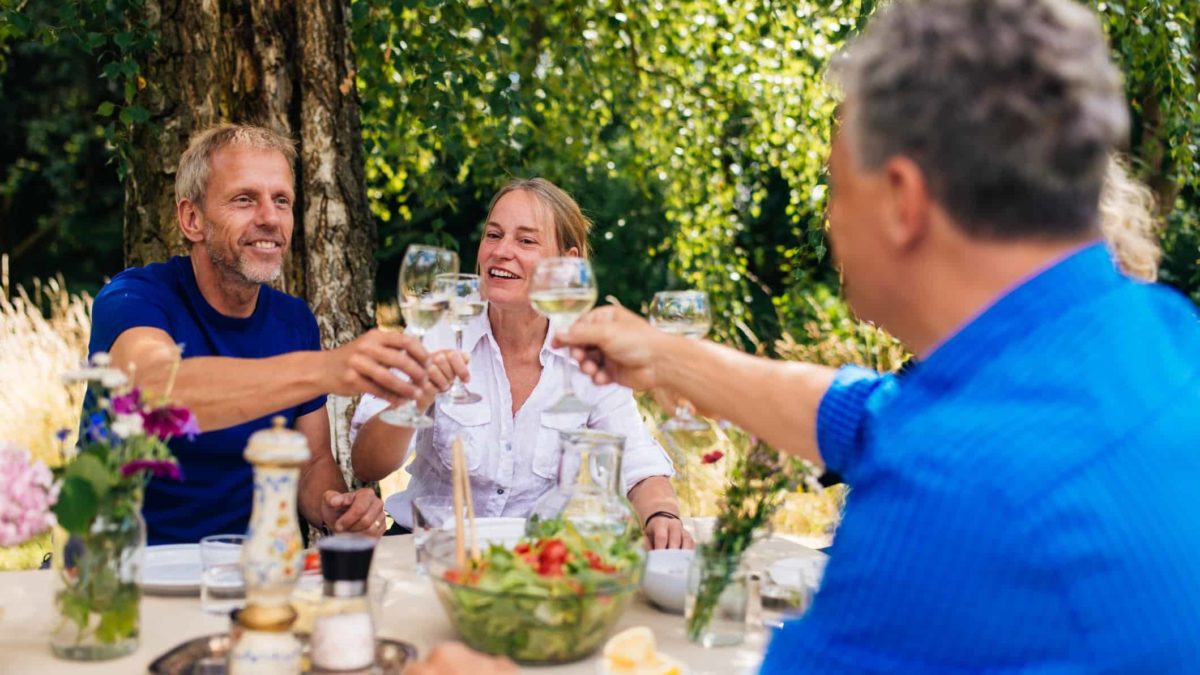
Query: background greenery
x=693 y=132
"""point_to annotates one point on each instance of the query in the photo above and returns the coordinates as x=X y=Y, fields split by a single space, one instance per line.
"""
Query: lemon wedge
x=634 y=652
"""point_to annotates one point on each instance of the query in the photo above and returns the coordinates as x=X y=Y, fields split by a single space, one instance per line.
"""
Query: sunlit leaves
x=694 y=103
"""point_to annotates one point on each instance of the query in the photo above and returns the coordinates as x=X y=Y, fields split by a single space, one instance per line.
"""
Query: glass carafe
x=589 y=492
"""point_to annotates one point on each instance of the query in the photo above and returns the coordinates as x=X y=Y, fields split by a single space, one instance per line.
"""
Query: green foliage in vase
x=759 y=480
x=98 y=599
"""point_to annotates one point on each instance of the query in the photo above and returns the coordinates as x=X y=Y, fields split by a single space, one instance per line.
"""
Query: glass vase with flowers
x=101 y=537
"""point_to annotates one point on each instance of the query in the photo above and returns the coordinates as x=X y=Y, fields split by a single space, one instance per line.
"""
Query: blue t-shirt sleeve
x=128 y=301
x=312 y=341
x=841 y=414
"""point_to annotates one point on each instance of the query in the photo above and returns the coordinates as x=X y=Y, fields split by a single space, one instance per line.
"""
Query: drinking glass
x=222 y=588
x=683 y=313
x=465 y=304
x=429 y=514
x=562 y=290
x=422 y=307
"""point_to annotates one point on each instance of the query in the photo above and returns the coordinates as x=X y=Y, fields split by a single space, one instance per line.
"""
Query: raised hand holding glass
x=684 y=313
x=422 y=307
x=462 y=290
x=562 y=290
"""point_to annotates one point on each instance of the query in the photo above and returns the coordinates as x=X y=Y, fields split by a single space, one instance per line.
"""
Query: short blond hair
x=191 y=177
x=1128 y=222
x=571 y=227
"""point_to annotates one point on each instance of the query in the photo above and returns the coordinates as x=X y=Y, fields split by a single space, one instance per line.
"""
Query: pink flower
x=127 y=404
x=27 y=491
x=160 y=468
x=170 y=422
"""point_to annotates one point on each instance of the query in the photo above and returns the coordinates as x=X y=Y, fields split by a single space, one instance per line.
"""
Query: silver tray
x=206 y=656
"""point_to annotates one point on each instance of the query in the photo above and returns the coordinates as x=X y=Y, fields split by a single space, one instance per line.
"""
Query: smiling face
x=519 y=232
x=246 y=218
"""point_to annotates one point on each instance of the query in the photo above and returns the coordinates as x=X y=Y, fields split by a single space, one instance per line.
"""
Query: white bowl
x=496 y=530
x=665 y=581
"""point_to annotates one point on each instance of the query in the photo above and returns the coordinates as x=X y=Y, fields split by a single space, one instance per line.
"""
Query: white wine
x=563 y=303
x=421 y=315
x=462 y=311
x=684 y=327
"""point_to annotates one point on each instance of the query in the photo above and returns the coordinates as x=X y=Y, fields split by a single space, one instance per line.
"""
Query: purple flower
x=127 y=404
x=159 y=468
x=169 y=422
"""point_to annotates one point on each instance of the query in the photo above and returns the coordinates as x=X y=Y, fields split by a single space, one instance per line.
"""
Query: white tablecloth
x=410 y=612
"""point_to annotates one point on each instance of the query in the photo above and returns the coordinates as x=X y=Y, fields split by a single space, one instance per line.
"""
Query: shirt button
x=500 y=491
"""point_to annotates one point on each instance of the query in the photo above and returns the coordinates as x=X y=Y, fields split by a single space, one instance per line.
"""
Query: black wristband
x=656 y=514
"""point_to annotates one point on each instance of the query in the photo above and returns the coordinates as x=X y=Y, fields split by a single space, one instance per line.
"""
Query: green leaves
x=86 y=484
x=77 y=504
x=685 y=110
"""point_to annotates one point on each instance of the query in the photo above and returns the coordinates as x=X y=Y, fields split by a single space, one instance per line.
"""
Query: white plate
x=172 y=569
x=798 y=573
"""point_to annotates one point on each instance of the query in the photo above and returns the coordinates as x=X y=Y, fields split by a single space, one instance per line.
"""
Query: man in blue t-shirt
x=249 y=351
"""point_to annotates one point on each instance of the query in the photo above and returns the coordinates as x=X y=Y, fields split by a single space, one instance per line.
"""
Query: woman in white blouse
x=513 y=446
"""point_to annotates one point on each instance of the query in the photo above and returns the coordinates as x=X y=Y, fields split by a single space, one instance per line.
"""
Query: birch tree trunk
x=283 y=64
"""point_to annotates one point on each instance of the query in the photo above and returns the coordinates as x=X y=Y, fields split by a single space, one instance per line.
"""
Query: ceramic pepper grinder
x=271 y=556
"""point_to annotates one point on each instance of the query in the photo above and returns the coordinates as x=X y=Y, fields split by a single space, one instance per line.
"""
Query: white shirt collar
x=481 y=327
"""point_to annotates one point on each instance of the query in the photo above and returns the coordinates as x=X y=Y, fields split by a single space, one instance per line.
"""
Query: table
x=410 y=611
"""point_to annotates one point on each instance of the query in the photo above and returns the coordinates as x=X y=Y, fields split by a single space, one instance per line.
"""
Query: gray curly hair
x=1010 y=108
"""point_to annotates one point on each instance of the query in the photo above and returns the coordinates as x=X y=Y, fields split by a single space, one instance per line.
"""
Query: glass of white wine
x=422 y=307
x=683 y=313
x=466 y=304
x=562 y=290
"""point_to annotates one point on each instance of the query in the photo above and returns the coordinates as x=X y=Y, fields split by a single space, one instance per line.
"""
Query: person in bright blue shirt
x=249 y=352
x=1026 y=497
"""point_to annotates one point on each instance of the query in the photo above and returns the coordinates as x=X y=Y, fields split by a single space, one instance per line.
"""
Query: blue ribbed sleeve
x=841 y=414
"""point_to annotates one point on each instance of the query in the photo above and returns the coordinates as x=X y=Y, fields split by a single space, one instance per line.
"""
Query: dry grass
x=43 y=333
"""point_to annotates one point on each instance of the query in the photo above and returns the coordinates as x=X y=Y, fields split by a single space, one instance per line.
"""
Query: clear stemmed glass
x=562 y=290
x=462 y=290
x=422 y=307
x=683 y=313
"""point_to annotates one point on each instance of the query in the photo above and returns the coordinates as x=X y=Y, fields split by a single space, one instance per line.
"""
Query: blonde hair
x=1127 y=220
x=191 y=177
x=571 y=227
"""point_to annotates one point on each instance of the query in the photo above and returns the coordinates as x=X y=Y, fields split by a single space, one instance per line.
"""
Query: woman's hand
x=442 y=367
x=667 y=532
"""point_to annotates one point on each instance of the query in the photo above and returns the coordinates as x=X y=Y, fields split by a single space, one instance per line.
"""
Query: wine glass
x=683 y=313
x=462 y=290
x=422 y=308
x=562 y=290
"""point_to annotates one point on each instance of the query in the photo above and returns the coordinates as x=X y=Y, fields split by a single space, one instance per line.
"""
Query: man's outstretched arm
x=222 y=392
x=776 y=401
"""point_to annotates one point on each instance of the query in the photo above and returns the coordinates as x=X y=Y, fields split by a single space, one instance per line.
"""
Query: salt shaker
x=343 y=636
